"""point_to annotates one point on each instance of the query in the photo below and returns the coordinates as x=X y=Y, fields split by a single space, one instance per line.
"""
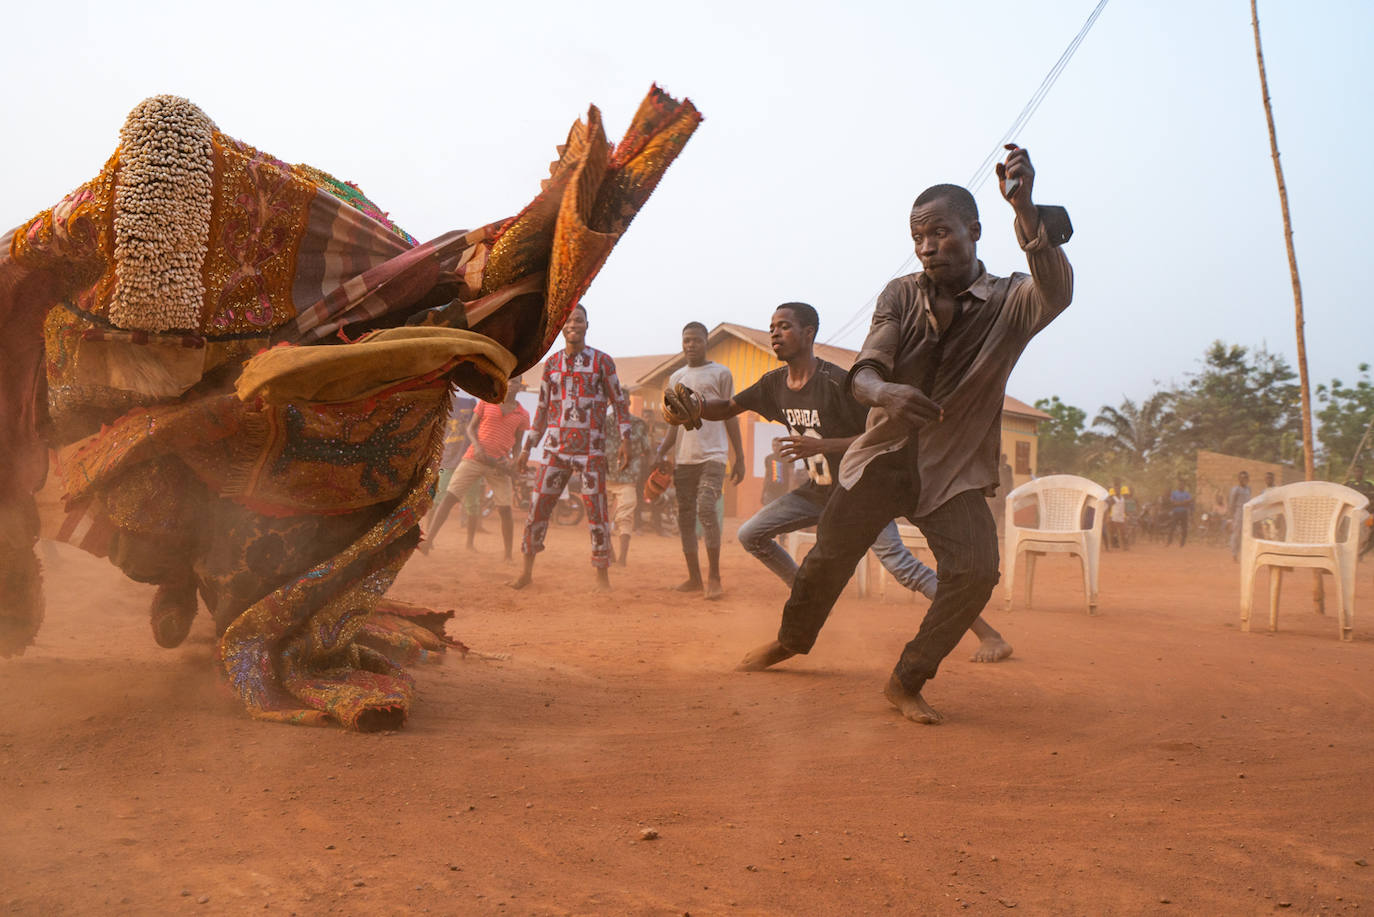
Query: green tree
x=1345 y=414
x=1239 y=403
x=1061 y=437
x=1135 y=432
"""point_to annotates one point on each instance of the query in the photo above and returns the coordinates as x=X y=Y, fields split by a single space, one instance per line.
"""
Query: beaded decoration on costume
x=162 y=215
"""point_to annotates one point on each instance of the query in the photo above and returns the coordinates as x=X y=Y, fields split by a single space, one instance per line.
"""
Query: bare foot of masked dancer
x=991 y=648
x=911 y=706
x=603 y=580
x=766 y=656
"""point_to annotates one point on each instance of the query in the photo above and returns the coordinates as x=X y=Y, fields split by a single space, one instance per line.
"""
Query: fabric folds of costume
x=245 y=368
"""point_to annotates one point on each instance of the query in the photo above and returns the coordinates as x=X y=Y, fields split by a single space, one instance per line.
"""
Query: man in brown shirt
x=933 y=370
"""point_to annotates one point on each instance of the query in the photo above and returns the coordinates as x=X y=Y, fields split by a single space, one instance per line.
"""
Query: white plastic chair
x=1061 y=500
x=793 y=542
x=1321 y=530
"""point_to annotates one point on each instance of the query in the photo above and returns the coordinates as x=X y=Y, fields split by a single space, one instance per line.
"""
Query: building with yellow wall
x=748 y=354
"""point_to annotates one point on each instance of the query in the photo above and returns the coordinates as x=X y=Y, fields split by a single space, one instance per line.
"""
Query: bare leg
x=992 y=648
x=526 y=577
x=507 y=529
x=624 y=549
x=474 y=519
x=693 y=581
x=446 y=505
x=770 y=654
x=603 y=579
x=911 y=706
x=713 y=588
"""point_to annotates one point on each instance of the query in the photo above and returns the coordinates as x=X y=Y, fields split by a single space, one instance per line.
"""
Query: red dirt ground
x=1152 y=759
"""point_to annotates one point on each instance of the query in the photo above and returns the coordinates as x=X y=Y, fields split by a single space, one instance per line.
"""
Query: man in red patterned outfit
x=579 y=383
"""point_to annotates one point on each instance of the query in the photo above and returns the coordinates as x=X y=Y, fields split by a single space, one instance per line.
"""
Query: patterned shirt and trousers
x=938 y=476
x=573 y=397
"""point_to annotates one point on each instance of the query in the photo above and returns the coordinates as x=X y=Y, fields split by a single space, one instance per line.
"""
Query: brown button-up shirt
x=963 y=368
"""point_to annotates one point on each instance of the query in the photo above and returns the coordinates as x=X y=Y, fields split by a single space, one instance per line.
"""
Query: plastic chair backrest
x=1313 y=520
x=1061 y=509
x=1317 y=512
x=1060 y=500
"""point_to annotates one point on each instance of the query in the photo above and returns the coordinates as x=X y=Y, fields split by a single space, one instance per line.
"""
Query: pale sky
x=822 y=124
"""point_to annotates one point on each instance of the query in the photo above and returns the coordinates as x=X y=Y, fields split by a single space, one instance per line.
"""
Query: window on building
x=1023 y=465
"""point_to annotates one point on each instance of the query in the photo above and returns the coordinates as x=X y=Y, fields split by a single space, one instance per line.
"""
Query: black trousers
x=1177 y=521
x=962 y=535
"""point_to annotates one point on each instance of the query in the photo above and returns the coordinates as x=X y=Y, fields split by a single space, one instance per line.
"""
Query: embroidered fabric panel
x=260 y=214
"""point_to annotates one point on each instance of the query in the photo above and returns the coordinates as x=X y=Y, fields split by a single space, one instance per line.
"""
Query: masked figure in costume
x=245 y=370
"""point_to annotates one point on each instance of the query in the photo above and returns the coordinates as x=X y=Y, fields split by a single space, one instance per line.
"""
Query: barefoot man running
x=934 y=368
x=810 y=396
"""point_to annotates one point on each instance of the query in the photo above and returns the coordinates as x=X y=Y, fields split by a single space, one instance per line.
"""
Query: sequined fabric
x=565 y=235
x=260 y=213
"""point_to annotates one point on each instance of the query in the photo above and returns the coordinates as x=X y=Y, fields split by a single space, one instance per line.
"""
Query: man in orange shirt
x=493 y=432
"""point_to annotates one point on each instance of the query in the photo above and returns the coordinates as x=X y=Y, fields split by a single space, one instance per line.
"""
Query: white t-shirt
x=708 y=444
x=1118 y=506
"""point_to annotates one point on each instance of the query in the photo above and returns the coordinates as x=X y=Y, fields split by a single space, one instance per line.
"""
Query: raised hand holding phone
x=1014 y=171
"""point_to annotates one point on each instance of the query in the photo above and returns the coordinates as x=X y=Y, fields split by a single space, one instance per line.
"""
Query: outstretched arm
x=720 y=409
x=795 y=447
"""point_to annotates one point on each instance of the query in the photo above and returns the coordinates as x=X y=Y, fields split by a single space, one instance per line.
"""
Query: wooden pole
x=1308 y=455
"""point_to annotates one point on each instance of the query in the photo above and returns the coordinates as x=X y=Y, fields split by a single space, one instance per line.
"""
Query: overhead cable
x=986 y=168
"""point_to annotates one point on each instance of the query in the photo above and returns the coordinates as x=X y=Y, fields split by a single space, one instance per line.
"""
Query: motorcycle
x=568 y=511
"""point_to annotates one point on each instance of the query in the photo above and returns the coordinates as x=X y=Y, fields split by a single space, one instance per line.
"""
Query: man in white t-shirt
x=1114 y=531
x=699 y=461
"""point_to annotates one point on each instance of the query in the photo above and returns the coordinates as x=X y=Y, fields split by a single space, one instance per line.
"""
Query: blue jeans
x=792 y=511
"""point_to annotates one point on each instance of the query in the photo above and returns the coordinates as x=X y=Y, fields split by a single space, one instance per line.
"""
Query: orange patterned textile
x=245 y=368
